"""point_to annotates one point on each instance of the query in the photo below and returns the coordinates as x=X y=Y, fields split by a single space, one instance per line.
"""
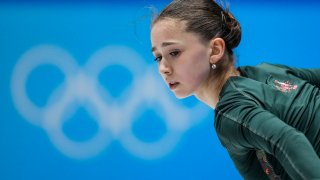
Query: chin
x=182 y=96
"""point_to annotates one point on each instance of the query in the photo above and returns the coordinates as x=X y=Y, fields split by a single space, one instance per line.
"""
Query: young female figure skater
x=267 y=117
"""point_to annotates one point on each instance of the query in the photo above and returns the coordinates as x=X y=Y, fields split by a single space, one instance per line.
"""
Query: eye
x=158 y=59
x=174 y=53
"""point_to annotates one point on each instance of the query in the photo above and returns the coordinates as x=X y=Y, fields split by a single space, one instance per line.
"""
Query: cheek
x=200 y=66
x=199 y=54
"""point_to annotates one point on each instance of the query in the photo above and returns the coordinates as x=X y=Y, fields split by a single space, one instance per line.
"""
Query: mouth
x=173 y=85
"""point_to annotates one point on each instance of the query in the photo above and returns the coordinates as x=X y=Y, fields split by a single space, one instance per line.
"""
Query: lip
x=173 y=85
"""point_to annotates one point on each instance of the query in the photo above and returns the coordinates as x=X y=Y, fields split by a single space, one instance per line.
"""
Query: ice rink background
x=80 y=97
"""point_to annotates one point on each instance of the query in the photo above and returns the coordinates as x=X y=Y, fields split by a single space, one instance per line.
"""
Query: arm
x=248 y=165
x=254 y=128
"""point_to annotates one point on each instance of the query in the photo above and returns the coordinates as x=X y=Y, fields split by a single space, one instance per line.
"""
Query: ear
x=217 y=46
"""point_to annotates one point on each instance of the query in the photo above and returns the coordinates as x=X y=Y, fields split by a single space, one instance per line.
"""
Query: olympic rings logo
x=81 y=88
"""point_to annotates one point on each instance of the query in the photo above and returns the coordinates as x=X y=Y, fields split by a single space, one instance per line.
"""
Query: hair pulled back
x=206 y=18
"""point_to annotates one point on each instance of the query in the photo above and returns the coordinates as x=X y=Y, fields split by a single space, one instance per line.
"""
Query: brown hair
x=205 y=18
x=209 y=20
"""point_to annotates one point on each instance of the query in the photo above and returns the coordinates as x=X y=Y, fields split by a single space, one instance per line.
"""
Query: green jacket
x=272 y=110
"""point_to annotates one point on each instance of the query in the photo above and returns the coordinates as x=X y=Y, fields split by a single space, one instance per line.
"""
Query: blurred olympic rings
x=113 y=115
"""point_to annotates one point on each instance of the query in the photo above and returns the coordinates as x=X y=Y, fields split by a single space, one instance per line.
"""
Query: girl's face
x=183 y=60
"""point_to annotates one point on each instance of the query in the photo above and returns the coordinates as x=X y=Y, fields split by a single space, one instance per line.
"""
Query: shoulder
x=262 y=71
x=234 y=102
x=264 y=66
x=242 y=98
x=240 y=90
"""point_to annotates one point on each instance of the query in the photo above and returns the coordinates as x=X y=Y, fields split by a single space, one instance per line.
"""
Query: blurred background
x=80 y=97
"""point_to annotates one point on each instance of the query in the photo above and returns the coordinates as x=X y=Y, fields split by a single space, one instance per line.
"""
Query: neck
x=209 y=94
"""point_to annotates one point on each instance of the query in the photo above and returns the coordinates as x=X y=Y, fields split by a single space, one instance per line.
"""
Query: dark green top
x=276 y=109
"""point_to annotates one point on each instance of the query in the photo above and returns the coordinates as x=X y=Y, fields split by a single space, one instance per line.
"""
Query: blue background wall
x=80 y=97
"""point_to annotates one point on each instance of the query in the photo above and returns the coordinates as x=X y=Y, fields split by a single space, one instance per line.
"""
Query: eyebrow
x=164 y=44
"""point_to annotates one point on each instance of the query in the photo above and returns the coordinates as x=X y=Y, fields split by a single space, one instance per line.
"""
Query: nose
x=164 y=67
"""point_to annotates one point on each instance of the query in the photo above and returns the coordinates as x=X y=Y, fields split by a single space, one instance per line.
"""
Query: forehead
x=170 y=30
x=168 y=26
x=167 y=29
